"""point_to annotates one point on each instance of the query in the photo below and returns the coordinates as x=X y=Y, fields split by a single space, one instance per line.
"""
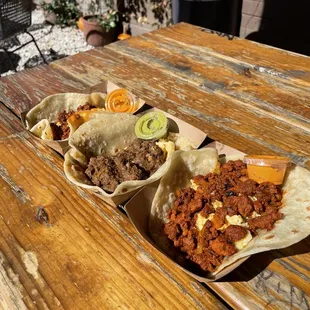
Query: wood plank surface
x=263 y=58
x=221 y=76
x=246 y=95
x=86 y=255
x=20 y=92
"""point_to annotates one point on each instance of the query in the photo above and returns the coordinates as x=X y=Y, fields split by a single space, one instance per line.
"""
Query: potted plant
x=62 y=12
x=100 y=28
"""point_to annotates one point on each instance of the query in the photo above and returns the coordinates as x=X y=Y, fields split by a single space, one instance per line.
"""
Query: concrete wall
x=252 y=11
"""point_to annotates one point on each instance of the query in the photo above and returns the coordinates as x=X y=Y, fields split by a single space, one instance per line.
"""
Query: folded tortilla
x=294 y=226
x=105 y=135
x=38 y=119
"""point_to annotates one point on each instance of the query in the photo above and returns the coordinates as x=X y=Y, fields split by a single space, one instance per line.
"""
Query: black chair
x=15 y=17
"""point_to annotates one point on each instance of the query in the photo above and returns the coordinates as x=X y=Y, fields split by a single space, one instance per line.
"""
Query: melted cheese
x=240 y=244
x=168 y=147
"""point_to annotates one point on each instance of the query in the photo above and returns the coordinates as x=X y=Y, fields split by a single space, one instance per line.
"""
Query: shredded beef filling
x=138 y=162
x=257 y=204
x=60 y=128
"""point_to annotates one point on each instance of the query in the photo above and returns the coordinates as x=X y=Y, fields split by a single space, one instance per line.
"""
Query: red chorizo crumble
x=239 y=196
x=60 y=128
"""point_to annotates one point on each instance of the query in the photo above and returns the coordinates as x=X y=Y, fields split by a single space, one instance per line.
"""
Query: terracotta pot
x=95 y=35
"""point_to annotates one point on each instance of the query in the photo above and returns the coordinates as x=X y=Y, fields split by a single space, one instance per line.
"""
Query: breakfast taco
x=58 y=116
x=207 y=215
x=118 y=153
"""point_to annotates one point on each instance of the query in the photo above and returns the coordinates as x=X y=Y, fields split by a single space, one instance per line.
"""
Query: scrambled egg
x=217 y=204
x=253 y=198
x=234 y=220
x=217 y=168
x=193 y=185
x=168 y=147
x=230 y=220
x=240 y=244
x=254 y=214
x=181 y=142
x=201 y=220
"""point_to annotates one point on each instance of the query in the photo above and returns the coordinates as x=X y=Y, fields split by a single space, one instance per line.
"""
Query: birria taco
x=115 y=154
x=208 y=215
x=58 y=116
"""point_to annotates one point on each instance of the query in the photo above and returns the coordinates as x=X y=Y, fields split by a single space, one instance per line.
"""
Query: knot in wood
x=43 y=217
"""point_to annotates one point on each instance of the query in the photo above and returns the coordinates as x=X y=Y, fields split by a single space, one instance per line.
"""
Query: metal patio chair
x=15 y=17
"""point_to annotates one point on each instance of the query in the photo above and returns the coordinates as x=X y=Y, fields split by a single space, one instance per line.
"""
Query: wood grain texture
x=246 y=95
x=20 y=92
x=221 y=75
x=86 y=255
x=265 y=59
x=280 y=278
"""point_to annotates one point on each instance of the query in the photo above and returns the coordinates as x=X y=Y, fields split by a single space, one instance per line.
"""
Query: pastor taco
x=49 y=119
x=118 y=153
x=213 y=214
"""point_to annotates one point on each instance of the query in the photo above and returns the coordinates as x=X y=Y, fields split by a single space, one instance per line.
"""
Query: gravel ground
x=55 y=43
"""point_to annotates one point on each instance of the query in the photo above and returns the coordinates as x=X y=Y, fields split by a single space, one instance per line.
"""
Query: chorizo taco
x=207 y=215
x=114 y=154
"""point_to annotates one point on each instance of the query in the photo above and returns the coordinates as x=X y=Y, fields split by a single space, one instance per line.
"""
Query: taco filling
x=220 y=213
x=60 y=128
x=137 y=162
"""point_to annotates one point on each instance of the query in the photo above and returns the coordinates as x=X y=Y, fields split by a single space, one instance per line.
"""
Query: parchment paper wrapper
x=294 y=227
x=126 y=191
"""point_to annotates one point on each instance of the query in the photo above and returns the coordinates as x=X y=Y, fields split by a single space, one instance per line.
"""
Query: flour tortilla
x=38 y=119
x=105 y=135
x=294 y=226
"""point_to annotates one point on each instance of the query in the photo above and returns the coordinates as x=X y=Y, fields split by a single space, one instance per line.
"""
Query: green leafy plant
x=162 y=13
x=109 y=20
x=106 y=17
x=66 y=11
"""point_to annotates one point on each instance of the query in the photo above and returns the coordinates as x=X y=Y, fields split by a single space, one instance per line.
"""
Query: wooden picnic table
x=87 y=255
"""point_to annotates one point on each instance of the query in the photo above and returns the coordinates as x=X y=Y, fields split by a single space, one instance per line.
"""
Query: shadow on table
x=50 y=56
x=5 y=65
x=259 y=262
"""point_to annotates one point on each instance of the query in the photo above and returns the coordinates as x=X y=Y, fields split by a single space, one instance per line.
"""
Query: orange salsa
x=263 y=168
x=120 y=100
